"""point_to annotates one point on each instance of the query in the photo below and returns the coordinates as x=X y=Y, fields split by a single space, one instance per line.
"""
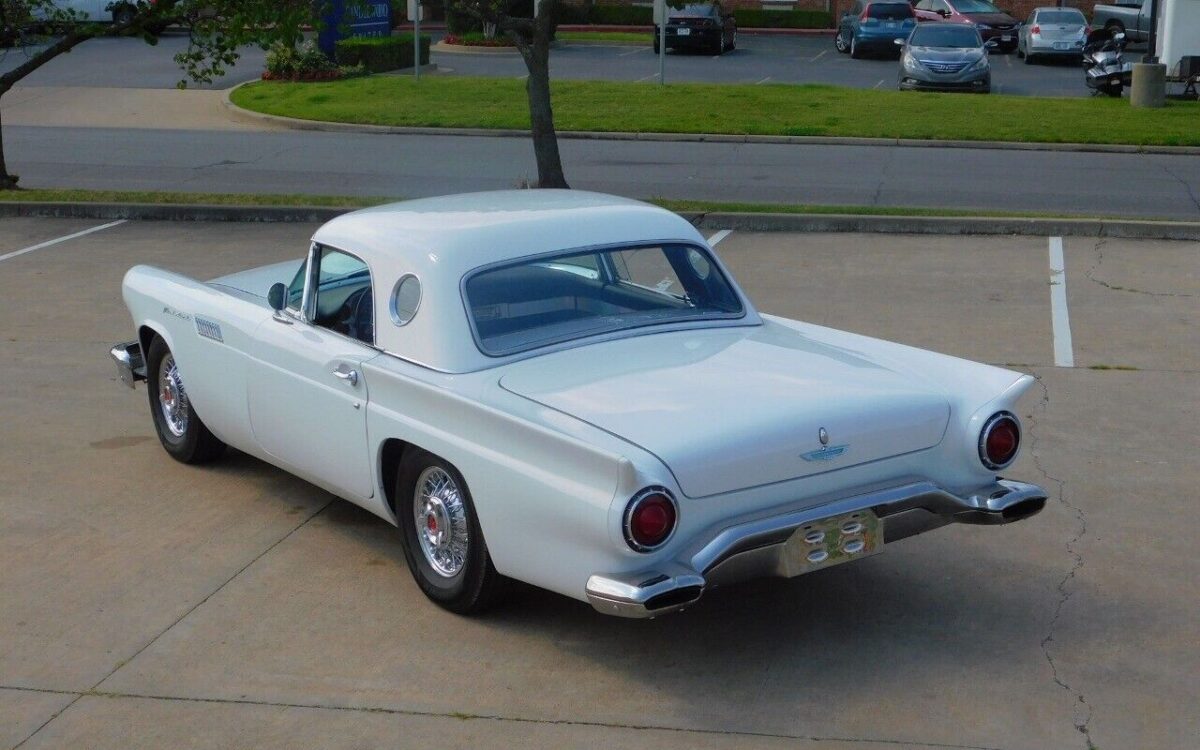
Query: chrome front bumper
x=130 y=366
x=759 y=548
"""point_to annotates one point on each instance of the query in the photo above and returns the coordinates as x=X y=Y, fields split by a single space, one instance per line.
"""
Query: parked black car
x=946 y=57
x=704 y=27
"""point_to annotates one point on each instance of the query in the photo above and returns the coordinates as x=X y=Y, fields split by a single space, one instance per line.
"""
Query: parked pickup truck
x=1132 y=18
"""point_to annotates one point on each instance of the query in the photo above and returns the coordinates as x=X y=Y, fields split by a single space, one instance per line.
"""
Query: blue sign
x=347 y=18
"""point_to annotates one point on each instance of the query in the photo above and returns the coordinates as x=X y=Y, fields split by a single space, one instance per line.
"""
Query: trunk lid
x=727 y=409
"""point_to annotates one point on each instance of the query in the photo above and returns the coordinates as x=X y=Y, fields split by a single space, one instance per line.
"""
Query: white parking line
x=712 y=241
x=819 y=56
x=56 y=241
x=1064 y=351
x=647 y=78
x=878 y=84
x=758 y=83
x=634 y=52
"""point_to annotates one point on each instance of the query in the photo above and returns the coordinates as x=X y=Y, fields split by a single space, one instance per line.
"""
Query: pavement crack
x=1091 y=276
x=461 y=716
x=1083 y=712
x=1186 y=186
x=94 y=690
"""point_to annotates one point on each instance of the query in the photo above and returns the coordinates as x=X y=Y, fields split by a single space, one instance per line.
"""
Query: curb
x=748 y=222
x=464 y=49
x=795 y=140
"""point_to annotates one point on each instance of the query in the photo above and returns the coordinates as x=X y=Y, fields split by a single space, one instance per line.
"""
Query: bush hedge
x=783 y=19
x=380 y=54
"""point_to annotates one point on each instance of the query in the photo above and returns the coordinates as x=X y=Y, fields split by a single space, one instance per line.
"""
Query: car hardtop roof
x=457 y=233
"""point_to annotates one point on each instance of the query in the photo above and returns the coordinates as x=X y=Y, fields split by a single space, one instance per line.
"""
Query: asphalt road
x=131 y=63
x=413 y=166
x=148 y=604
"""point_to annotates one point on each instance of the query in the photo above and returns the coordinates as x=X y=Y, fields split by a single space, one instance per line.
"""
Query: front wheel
x=443 y=542
x=179 y=428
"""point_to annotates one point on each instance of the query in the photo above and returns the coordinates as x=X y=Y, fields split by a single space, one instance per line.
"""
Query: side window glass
x=295 y=293
x=648 y=268
x=344 y=302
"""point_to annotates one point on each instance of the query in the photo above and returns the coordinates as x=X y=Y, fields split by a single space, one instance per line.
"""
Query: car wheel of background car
x=1114 y=27
x=840 y=42
x=733 y=40
x=443 y=542
x=854 y=51
x=179 y=428
x=655 y=44
x=1028 y=59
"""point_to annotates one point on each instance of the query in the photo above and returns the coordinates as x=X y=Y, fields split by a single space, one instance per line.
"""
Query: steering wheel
x=362 y=317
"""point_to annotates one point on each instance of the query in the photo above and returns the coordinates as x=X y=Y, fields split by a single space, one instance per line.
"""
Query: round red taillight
x=999 y=441
x=649 y=519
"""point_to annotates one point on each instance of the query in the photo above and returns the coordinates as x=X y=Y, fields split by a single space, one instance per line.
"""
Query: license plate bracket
x=832 y=541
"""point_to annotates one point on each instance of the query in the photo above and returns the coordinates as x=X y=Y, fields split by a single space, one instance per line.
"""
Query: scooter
x=1104 y=69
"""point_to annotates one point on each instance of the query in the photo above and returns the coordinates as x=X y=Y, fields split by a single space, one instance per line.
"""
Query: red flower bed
x=473 y=41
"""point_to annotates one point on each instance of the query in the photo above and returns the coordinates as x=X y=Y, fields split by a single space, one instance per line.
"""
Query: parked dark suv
x=874 y=26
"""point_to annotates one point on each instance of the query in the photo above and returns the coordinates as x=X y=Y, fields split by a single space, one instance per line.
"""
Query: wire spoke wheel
x=172 y=398
x=442 y=527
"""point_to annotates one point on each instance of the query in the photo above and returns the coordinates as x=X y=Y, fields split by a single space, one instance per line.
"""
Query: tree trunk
x=541 y=115
x=7 y=181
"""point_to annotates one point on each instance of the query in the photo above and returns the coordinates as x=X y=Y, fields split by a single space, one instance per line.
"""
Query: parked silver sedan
x=1052 y=32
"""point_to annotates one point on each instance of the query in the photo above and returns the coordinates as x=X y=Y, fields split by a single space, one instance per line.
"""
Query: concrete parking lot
x=147 y=604
x=130 y=63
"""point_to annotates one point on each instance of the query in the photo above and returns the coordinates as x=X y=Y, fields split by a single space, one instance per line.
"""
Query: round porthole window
x=406 y=298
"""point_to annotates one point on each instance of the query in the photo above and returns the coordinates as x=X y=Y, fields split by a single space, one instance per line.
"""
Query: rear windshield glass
x=945 y=35
x=889 y=11
x=975 y=6
x=550 y=300
x=1061 y=16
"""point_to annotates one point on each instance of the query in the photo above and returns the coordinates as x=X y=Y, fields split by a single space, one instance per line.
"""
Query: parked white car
x=569 y=389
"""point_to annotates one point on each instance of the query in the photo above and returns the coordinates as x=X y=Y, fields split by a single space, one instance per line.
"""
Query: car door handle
x=350 y=376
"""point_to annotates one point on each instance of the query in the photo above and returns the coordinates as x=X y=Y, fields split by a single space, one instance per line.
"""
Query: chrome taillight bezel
x=991 y=424
x=632 y=505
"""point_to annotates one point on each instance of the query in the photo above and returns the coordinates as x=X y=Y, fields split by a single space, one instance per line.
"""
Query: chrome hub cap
x=172 y=399
x=441 y=522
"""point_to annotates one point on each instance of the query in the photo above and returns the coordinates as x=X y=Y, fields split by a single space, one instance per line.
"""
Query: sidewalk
x=89 y=107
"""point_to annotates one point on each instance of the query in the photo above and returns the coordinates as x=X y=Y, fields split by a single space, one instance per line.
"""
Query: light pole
x=660 y=18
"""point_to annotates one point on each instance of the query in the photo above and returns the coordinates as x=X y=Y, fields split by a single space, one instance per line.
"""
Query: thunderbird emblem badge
x=826 y=452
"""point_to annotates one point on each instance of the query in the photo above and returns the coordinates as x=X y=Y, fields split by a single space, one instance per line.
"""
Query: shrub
x=295 y=63
x=479 y=40
x=379 y=54
x=621 y=15
x=783 y=19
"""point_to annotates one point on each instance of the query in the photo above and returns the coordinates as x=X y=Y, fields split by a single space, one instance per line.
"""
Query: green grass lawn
x=69 y=195
x=615 y=37
x=728 y=108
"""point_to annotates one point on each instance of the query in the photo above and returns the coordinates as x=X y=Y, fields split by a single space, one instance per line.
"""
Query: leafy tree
x=217 y=29
x=532 y=35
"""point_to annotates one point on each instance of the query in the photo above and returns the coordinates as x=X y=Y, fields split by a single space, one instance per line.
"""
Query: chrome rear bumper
x=757 y=548
x=130 y=366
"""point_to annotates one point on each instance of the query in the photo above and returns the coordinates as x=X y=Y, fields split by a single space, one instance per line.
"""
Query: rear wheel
x=182 y=434
x=443 y=542
x=841 y=41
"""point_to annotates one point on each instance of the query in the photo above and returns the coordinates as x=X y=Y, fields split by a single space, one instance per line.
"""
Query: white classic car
x=569 y=389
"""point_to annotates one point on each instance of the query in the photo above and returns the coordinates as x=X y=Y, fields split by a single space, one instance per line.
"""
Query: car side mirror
x=277 y=296
x=944 y=13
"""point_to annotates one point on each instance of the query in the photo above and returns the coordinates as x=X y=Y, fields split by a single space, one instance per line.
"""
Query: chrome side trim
x=128 y=358
x=755 y=548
